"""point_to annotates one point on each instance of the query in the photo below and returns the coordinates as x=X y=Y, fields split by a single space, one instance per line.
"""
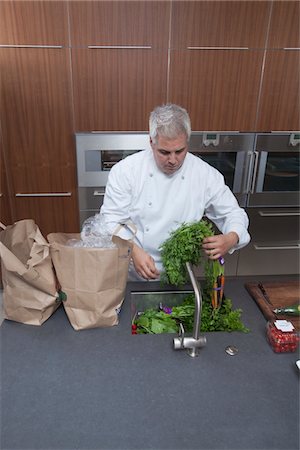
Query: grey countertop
x=107 y=389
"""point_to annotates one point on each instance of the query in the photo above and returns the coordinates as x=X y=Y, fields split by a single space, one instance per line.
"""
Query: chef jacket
x=138 y=191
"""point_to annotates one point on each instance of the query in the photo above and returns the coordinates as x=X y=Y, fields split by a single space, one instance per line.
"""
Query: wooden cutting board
x=279 y=295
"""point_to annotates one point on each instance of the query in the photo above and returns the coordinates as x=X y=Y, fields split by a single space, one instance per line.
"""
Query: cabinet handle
x=45 y=194
x=99 y=193
x=277 y=247
x=120 y=46
x=218 y=48
x=291 y=48
x=29 y=46
x=278 y=213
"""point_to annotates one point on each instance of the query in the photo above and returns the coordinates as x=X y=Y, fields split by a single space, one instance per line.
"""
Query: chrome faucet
x=192 y=344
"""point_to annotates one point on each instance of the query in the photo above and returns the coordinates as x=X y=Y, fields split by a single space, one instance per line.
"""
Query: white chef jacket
x=157 y=203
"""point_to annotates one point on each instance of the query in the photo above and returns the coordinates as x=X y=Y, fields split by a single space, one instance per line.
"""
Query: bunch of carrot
x=218 y=269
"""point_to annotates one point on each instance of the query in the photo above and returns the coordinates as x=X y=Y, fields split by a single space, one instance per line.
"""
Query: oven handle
x=255 y=164
x=99 y=194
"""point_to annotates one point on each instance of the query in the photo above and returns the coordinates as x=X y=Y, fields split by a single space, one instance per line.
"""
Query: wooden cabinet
x=219 y=88
x=119 y=82
x=280 y=97
x=37 y=116
x=120 y=23
x=284 y=26
x=34 y=23
x=216 y=61
x=5 y=201
x=219 y=24
x=115 y=90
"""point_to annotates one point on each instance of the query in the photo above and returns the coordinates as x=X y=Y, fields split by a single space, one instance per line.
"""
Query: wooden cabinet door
x=216 y=61
x=115 y=90
x=219 y=88
x=284 y=26
x=280 y=96
x=219 y=24
x=120 y=23
x=5 y=201
x=34 y=23
x=117 y=84
x=37 y=131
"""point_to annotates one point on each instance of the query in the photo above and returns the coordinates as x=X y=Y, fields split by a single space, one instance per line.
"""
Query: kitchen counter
x=107 y=389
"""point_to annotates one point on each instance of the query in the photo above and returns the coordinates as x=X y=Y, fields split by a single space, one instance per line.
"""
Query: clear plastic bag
x=94 y=233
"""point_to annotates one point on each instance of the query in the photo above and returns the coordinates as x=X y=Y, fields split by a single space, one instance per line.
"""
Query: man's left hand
x=218 y=245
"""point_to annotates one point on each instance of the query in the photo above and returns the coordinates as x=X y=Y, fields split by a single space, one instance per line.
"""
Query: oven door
x=275 y=180
x=231 y=154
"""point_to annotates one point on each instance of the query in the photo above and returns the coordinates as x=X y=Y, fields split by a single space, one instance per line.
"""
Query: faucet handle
x=179 y=341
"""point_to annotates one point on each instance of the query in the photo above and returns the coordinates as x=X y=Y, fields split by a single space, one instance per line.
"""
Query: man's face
x=169 y=154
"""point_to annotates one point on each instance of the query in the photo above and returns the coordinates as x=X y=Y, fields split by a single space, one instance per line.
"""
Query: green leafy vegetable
x=184 y=245
x=220 y=319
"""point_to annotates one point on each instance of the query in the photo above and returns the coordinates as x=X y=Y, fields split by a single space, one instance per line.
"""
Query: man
x=160 y=188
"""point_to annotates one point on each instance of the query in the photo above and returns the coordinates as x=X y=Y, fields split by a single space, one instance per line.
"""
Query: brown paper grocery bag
x=93 y=279
x=29 y=283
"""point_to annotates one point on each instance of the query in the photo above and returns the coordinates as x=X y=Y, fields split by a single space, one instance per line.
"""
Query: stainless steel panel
x=226 y=142
x=90 y=200
x=274 y=224
x=274 y=247
x=272 y=258
x=91 y=197
x=280 y=199
x=276 y=142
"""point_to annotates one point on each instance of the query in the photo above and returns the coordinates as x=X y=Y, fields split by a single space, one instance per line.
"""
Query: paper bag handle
x=128 y=224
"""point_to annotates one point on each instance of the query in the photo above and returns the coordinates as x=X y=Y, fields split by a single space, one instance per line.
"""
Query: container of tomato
x=282 y=336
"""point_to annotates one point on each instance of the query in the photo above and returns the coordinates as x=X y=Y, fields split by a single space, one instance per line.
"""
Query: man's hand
x=144 y=263
x=217 y=246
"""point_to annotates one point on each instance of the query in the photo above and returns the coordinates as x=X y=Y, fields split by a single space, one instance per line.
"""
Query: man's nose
x=172 y=158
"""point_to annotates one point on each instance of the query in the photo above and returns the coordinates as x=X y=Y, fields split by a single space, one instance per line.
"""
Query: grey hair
x=169 y=121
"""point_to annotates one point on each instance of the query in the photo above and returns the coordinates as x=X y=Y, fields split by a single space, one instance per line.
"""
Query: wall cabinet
x=34 y=23
x=120 y=23
x=280 y=94
x=219 y=24
x=37 y=134
x=114 y=90
x=219 y=88
x=120 y=74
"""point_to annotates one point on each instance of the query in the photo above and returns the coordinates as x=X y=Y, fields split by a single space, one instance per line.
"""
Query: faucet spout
x=192 y=344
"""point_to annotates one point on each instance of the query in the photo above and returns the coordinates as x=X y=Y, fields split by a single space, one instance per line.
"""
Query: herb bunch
x=184 y=245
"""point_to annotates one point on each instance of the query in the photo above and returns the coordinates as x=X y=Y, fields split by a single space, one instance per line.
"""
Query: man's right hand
x=144 y=263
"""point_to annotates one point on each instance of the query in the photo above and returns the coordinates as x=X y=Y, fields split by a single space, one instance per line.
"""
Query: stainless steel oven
x=276 y=170
x=96 y=154
x=231 y=154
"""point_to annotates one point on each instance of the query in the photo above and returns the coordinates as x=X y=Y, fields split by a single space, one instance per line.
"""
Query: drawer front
x=269 y=258
x=274 y=224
